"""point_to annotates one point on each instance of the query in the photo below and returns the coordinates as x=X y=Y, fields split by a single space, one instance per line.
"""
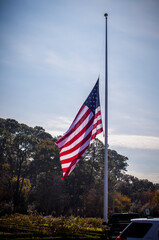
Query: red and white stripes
x=76 y=140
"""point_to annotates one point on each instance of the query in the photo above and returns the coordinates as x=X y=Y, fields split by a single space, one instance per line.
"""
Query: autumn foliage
x=30 y=176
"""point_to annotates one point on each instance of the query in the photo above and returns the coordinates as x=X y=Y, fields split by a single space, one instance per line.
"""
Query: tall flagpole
x=106 y=130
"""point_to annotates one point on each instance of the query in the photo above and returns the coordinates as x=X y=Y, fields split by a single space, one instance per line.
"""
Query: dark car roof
x=119 y=217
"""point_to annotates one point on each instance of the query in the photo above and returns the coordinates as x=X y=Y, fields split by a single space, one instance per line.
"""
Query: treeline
x=30 y=178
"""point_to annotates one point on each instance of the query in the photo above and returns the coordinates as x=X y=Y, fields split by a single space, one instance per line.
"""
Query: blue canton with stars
x=93 y=99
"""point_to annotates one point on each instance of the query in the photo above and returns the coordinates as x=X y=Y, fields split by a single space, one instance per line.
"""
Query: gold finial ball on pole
x=106 y=15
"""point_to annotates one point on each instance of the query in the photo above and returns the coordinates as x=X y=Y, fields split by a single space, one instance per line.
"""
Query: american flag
x=86 y=125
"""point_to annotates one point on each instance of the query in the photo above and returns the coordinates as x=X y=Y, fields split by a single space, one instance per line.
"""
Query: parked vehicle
x=118 y=221
x=143 y=229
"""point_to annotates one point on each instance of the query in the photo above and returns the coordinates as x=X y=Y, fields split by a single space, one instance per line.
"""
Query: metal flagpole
x=106 y=130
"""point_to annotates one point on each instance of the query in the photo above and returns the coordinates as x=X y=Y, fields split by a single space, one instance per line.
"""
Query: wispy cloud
x=134 y=141
x=71 y=63
x=153 y=177
x=58 y=125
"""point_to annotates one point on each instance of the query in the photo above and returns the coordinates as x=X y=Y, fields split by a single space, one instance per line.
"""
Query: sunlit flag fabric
x=86 y=125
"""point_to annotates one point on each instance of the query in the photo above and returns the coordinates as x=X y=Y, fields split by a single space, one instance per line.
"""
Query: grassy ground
x=34 y=226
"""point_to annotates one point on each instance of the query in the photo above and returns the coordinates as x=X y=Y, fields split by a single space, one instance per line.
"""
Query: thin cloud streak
x=60 y=124
x=134 y=141
x=153 y=177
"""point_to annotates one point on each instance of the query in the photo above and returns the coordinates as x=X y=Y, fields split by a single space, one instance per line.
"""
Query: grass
x=35 y=226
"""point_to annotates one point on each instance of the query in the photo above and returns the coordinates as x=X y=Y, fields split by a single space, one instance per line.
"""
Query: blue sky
x=51 y=53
